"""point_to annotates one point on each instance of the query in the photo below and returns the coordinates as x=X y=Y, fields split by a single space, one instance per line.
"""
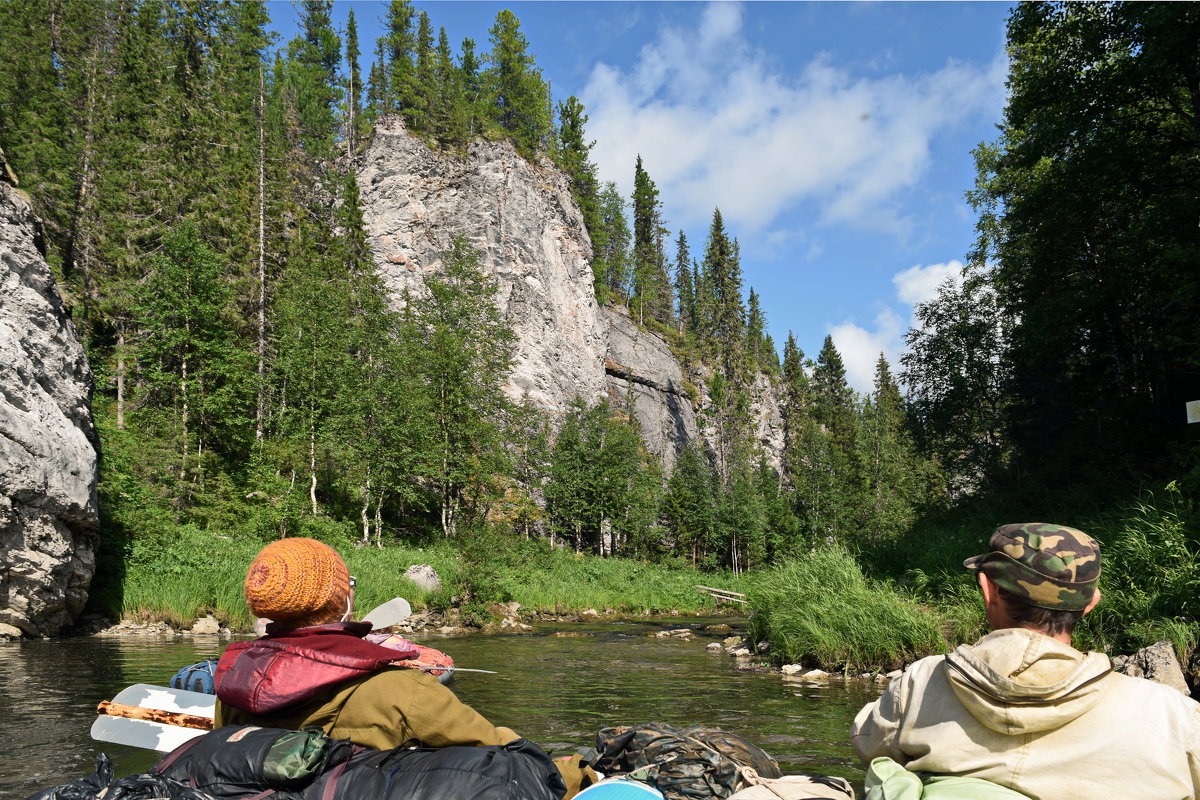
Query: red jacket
x=287 y=667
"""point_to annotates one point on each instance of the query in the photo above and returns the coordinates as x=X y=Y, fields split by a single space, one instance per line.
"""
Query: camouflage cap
x=1050 y=566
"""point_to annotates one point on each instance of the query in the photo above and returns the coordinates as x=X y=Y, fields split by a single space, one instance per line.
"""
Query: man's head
x=298 y=582
x=1045 y=574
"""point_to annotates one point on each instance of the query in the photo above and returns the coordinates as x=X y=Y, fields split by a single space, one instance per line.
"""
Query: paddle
x=388 y=614
x=155 y=732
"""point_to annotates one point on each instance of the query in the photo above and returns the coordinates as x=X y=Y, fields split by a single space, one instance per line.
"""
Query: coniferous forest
x=253 y=380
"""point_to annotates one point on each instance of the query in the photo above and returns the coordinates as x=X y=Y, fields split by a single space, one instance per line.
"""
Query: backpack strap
x=173 y=756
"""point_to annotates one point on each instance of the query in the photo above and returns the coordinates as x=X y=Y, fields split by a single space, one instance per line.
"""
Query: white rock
x=48 y=511
x=792 y=669
x=207 y=626
x=530 y=235
x=713 y=647
x=424 y=576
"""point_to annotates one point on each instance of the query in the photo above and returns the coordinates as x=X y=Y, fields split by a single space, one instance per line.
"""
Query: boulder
x=206 y=626
x=1157 y=662
x=48 y=509
x=424 y=576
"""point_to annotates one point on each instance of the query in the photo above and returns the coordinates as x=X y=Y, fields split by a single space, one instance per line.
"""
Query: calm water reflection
x=556 y=690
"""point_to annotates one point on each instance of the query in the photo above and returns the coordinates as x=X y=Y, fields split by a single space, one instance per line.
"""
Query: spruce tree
x=355 y=124
x=651 y=288
x=574 y=156
x=518 y=92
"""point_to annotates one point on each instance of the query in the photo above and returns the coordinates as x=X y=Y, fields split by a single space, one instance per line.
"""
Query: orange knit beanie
x=298 y=582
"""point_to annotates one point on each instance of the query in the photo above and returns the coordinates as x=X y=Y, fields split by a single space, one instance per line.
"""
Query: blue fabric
x=196 y=677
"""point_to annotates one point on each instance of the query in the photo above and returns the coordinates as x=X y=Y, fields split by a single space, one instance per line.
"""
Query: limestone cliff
x=531 y=238
x=48 y=512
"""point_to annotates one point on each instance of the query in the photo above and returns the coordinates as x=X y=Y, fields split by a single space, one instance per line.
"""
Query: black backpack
x=237 y=762
x=683 y=764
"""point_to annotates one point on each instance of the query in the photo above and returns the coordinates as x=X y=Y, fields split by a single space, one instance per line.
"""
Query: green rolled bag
x=887 y=780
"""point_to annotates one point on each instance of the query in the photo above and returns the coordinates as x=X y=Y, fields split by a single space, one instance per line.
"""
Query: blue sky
x=834 y=136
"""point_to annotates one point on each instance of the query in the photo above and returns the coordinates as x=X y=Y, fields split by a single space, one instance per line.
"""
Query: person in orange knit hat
x=313 y=668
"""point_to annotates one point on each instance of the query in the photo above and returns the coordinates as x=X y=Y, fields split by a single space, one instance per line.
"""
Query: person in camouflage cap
x=1024 y=709
x=1047 y=566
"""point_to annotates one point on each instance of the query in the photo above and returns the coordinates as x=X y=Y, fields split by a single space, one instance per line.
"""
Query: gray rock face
x=530 y=237
x=1157 y=663
x=640 y=363
x=48 y=515
x=530 y=234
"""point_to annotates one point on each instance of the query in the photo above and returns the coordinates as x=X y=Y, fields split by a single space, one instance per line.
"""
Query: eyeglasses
x=353 y=580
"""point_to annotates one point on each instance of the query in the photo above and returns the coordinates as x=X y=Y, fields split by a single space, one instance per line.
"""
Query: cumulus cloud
x=717 y=124
x=860 y=348
x=919 y=284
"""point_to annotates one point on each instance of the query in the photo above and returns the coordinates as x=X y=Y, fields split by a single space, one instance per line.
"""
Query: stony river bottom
x=556 y=686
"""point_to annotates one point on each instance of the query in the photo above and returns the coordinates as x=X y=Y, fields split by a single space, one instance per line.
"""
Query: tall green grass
x=192 y=572
x=821 y=609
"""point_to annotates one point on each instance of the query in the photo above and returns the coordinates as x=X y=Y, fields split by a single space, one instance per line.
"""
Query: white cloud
x=919 y=284
x=860 y=348
x=716 y=125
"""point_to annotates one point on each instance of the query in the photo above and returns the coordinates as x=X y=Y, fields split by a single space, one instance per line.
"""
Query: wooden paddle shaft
x=155 y=715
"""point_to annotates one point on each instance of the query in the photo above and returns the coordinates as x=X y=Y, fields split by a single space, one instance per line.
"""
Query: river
x=557 y=686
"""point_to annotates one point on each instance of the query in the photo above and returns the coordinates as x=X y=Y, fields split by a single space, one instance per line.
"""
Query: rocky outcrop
x=531 y=238
x=1157 y=662
x=640 y=367
x=48 y=514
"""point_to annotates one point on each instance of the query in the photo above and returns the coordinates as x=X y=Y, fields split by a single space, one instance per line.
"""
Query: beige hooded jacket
x=1028 y=712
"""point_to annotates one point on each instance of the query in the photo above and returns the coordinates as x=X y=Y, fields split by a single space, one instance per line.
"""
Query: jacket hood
x=1016 y=681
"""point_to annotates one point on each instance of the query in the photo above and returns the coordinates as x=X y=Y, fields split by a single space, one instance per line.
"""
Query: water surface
x=557 y=686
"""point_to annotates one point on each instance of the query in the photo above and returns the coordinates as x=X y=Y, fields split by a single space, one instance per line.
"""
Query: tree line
x=253 y=376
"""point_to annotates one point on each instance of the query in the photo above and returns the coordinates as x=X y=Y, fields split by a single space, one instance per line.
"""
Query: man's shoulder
x=1154 y=693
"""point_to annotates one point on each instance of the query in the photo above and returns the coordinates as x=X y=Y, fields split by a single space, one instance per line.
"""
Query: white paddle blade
x=385 y=616
x=164 y=698
x=142 y=733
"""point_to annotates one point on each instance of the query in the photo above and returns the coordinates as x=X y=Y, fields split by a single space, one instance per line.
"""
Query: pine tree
x=421 y=110
x=398 y=50
x=315 y=57
x=722 y=310
x=890 y=468
x=651 y=290
x=354 y=128
x=574 y=156
x=756 y=323
x=685 y=288
x=610 y=247
x=518 y=92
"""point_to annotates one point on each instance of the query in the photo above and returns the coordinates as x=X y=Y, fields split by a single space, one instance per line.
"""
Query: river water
x=556 y=686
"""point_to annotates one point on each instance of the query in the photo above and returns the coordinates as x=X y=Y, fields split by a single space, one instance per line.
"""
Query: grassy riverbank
x=195 y=573
x=912 y=597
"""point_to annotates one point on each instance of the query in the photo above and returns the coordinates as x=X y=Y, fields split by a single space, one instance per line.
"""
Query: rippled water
x=557 y=686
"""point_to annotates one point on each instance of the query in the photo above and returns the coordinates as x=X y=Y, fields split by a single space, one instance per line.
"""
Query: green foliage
x=1087 y=213
x=1151 y=578
x=520 y=98
x=603 y=486
x=819 y=608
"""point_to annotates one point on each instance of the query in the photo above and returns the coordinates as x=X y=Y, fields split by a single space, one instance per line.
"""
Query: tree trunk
x=121 y=375
x=262 y=266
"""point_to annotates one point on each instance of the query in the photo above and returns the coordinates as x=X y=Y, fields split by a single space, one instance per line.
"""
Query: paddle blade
x=153 y=735
x=385 y=616
x=142 y=733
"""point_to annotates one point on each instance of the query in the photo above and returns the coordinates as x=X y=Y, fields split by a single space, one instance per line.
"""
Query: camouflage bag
x=682 y=764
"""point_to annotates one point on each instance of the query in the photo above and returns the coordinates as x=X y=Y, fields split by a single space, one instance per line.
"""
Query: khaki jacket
x=388 y=709
x=1025 y=711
